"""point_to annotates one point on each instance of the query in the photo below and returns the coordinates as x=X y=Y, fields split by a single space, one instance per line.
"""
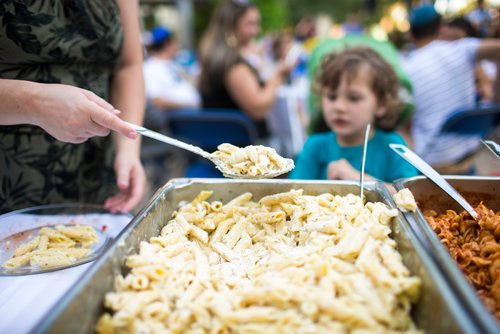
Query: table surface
x=25 y=300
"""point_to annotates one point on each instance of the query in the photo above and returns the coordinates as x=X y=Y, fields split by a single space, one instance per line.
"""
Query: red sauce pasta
x=474 y=245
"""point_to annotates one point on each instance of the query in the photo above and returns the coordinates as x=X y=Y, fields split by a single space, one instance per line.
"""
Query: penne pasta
x=289 y=263
x=54 y=246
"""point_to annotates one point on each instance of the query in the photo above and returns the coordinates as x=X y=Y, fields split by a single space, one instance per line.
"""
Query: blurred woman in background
x=227 y=80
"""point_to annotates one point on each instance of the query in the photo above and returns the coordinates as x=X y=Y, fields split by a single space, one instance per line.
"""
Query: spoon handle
x=158 y=136
x=493 y=147
x=434 y=176
x=363 y=160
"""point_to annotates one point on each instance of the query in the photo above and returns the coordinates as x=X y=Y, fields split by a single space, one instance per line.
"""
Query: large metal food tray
x=429 y=196
x=437 y=311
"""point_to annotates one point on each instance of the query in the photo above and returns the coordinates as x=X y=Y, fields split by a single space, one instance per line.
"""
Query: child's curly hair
x=384 y=82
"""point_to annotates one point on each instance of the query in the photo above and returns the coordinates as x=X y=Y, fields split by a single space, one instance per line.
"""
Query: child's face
x=348 y=110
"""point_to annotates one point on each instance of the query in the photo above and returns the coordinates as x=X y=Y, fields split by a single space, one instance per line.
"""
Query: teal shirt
x=381 y=161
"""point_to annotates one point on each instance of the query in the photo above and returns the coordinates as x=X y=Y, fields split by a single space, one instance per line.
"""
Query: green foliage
x=337 y=9
x=280 y=14
x=201 y=18
x=274 y=13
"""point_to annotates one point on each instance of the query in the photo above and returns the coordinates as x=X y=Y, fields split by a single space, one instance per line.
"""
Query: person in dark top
x=227 y=80
x=60 y=61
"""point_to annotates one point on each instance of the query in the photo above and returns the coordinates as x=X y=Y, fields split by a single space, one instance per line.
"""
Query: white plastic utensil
x=363 y=160
x=434 y=176
x=492 y=146
x=199 y=151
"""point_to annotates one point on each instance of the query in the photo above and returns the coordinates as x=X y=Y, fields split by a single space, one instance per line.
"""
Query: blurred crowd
x=444 y=64
x=308 y=91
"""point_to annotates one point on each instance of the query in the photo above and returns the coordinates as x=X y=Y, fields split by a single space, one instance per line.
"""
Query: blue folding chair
x=208 y=128
x=479 y=120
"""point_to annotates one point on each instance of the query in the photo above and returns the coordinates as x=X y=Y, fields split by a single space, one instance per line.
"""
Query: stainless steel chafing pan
x=429 y=196
x=437 y=311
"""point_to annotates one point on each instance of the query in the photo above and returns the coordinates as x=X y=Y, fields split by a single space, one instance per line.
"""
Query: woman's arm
x=127 y=95
x=166 y=105
x=67 y=113
x=256 y=101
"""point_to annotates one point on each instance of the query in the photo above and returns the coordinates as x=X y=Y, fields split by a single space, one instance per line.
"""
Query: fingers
x=113 y=122
x=99 y=101
x=95 y=129
x=125 y=200
x=135 y=190
x=105 y=115
x=115 y=203
x=131 y=180
x=72 y=140
x=122 y=178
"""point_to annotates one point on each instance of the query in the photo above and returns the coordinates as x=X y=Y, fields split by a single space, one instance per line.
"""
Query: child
x=357 y=87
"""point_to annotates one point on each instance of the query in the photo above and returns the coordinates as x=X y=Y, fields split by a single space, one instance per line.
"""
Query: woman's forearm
x=255 y=100
x=128 y=98
x=18 y=101
x=127 y=90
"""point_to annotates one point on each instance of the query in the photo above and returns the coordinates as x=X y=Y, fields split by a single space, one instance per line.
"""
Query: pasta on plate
x=54 y=246
x=287 y=263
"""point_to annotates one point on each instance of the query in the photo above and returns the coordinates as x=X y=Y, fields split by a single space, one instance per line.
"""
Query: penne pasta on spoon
x=251 y=162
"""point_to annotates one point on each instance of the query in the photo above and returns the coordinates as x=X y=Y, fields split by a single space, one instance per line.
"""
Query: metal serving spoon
x=363 y=160
x=434 y=176
x=289 y=165
x=492 y=146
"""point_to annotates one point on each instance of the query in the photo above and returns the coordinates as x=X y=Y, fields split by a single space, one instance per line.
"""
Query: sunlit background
x=382 y=19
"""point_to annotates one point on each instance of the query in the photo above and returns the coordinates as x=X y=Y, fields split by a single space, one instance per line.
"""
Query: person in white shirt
x=167 y=85
x=442 y=73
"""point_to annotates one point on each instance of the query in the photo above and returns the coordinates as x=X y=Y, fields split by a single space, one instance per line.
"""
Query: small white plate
x=19 y=227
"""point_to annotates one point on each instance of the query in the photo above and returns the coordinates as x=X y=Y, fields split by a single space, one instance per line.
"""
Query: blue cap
x=160 y=34
x=422 y=15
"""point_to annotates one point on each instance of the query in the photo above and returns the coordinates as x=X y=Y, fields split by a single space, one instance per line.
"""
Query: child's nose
x=339 y=105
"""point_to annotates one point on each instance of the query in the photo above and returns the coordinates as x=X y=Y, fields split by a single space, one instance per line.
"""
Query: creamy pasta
x=405 y=201
x=287 y=263
x=54 y=246
x=253 y=160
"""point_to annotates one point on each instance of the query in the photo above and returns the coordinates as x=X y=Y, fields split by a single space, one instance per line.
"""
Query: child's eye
x=331 y=97
x=355 y=98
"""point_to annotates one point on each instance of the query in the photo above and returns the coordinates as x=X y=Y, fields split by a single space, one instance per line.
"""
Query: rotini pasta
x=475 y=247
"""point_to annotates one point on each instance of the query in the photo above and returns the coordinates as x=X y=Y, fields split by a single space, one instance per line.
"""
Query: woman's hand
x=342 y=170
x=130 y=179
x=67 y=113
x=73 y=115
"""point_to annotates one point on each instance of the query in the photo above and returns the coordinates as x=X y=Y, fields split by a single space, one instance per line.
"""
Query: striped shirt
x=442 y=74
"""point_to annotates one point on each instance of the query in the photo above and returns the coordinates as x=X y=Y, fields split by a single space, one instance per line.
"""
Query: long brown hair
x=219 y=46
x=384 y=82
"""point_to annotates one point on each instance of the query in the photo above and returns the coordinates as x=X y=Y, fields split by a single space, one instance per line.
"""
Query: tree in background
x=281 y=14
